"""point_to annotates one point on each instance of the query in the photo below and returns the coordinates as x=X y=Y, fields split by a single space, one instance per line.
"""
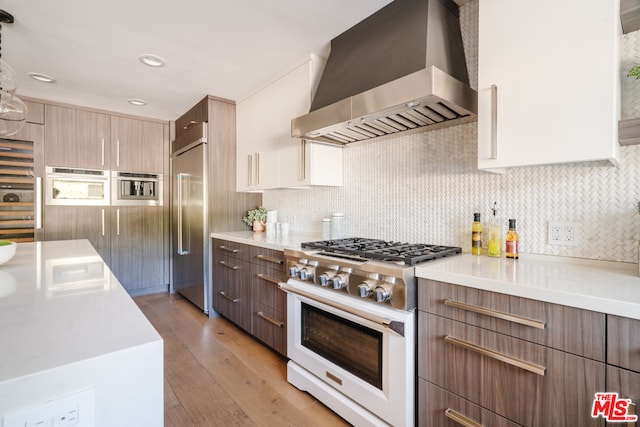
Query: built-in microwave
x=136 y=189
x=76 y=186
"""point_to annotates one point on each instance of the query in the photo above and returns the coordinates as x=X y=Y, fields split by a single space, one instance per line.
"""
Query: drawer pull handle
x=233 y=251
x=230 y=298
x=458 y=418
x=267 y=278
x=233 y=267
x=275 y=322
x=522 y=364
x=270 y=259
x=497 y=314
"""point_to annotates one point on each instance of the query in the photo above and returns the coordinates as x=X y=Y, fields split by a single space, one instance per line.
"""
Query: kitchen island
x=73 y=339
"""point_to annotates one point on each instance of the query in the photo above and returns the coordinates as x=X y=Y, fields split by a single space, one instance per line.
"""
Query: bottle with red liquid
x=512 y=240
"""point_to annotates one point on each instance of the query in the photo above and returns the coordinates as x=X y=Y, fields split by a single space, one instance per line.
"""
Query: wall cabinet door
x=76 y=138
x=267 y=155
x=257 y=134
x=137 y=145
x=555 y=69
x=137 y=247
x=79 y=222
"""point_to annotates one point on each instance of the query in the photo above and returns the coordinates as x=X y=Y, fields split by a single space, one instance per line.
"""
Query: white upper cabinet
x=267 y=155
x=257 y=140
x=548 y=82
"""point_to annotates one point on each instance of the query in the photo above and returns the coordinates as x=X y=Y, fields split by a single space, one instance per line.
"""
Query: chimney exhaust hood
x=400 y=70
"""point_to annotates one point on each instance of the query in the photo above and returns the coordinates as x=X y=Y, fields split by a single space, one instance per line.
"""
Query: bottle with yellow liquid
x=476 y=235
x=512 y=241
x=494 y=232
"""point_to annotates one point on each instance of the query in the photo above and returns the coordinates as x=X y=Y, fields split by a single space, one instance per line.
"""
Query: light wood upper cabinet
x=267 y=155
x=35 y=112
x=555 y=69
x=76 y=137
x=137 y=145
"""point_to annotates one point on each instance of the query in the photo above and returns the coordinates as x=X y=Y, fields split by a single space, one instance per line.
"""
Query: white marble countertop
x=606 y=287
x=60 y=304
x=279 y=242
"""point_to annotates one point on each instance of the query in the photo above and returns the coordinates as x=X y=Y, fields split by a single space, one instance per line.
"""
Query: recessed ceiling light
x=41 y=77
x=138 y=102
x=151 y=60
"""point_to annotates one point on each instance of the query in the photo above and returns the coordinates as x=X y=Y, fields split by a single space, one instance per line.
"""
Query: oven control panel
x=394 y=287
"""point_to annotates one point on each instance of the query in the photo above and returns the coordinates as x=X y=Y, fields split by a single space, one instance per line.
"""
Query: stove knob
x=295 y=269
x=365 y=288
x=307 y=273
x=382 y=292
x=325 y=279
x=341 y=279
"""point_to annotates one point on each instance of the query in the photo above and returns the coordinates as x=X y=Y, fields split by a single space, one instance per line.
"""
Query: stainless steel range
x=351 y=325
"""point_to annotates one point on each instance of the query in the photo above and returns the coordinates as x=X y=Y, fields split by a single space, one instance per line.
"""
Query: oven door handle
x=393 y=325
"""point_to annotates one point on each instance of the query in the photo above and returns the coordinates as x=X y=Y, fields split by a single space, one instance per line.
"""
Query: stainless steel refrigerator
x=189 y=228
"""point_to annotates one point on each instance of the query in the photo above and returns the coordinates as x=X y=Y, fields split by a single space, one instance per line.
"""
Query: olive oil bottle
x=494 y=244
x=476 y=235
x=512 y=241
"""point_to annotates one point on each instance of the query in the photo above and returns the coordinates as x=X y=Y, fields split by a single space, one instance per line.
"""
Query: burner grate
x=382 y=250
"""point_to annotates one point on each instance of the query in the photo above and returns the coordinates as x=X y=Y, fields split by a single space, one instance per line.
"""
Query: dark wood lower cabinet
x=440 y=408
x=245 y=290
x=476 y=369
x=627 y=384
x=231 y=289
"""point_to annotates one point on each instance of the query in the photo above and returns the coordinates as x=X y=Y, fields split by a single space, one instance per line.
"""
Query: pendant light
x=13 y=112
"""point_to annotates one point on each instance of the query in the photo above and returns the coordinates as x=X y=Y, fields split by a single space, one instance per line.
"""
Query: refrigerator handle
x=181 y=178
x=38 y=202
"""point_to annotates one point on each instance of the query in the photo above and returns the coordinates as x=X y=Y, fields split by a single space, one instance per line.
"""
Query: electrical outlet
x=564 y=233
x=76 y=410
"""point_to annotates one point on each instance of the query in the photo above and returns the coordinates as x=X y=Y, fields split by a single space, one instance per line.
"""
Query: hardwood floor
x=217 y=375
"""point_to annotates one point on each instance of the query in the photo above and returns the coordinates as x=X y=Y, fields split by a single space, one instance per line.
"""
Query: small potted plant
x=634 y=72
x=256 y=218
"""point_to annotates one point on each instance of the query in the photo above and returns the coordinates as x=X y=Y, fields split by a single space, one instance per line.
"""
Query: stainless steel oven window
x=351 y=346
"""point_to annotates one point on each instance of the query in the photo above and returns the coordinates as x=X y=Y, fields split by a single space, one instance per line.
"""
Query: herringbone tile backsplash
x=424 y=188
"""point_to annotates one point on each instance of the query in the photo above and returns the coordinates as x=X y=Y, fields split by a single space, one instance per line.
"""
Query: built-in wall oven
x=136 y=189
x=351 y=326
x=76 y=186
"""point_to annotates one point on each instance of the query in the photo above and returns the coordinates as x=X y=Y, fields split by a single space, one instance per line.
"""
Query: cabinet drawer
x=623 y=342
x=485 y=367
x=627 y=385
x=231 y=292
x=270 y=327
x=564 y=328
x=266 y=290
x=437 y=407
x=267 y=257
x=231 y=249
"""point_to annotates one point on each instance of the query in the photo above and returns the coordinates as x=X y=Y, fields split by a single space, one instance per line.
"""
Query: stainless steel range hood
x=400 y=70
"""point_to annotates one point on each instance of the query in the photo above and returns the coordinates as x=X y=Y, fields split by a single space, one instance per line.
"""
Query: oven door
x=363 y=350
x=77 y=187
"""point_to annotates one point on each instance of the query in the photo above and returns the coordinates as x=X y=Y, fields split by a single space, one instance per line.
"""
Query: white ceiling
x=223 y=48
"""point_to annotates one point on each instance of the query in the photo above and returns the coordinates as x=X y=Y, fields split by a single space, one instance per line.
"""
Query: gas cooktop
x=383 y=250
